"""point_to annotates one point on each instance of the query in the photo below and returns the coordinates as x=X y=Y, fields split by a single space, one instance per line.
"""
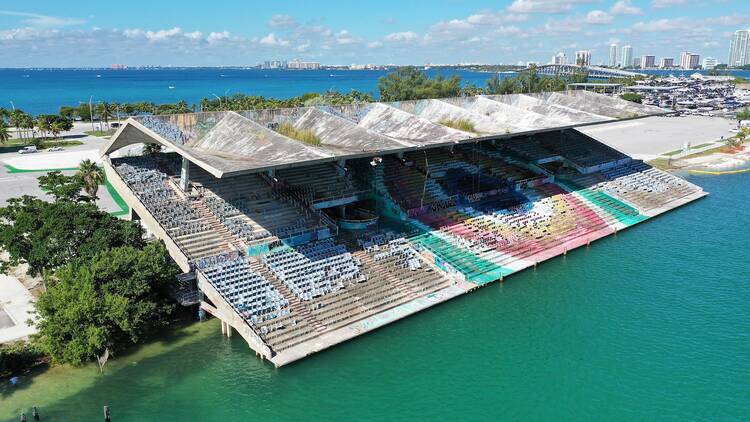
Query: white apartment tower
x=710 y=63
x=666 y=63
x=739 y=49
x=559 y=58
x=613 y=55
x=648 y=62
x=583 y=58
x=689 y=60
x=626 y=60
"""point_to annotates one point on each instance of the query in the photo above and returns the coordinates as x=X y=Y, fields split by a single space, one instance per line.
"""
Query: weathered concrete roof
x=231 y=143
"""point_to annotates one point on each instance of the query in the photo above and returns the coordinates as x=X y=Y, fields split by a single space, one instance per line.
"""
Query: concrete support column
x=223 y=328
x=229 y=330
x=185 y=175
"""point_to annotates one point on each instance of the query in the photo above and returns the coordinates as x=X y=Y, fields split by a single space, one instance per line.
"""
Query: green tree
x=60 y=186
x=16 y=119
x=110 y=301
x=92 y=175
x=56 y=128
x=47 y=235
x=743 y=114
x=408 y=83
x=4 y=133
x=632 y=97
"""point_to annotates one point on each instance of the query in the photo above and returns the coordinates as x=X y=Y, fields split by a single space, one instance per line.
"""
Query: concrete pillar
x=223 y=328
x=229 y=330
x=185 y=174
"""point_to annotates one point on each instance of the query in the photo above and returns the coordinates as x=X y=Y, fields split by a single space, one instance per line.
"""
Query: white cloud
x=271 y=40
x=545 y=6
x=598 y=17
x=37 y=20
x=661 y=4
x=401 y=36
x=195 y=35
x=625 y=7
x=374 y=44
x=215 y=37
x=282 y=21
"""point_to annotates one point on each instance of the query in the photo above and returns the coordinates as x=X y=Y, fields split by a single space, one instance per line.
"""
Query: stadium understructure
x=303 y=228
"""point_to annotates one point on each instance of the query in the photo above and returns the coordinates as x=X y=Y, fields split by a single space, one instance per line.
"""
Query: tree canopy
x=49 y=235
x=632 y=97
x=408 y=83
x=60 y=186
x=109 y=301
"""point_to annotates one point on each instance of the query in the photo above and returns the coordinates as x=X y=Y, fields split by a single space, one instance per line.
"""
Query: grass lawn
x=15 y=144
x=100 y=133
x=677 y=151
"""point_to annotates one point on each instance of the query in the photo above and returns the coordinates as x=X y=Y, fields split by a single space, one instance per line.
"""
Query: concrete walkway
x=16 y=306
x=652 y=137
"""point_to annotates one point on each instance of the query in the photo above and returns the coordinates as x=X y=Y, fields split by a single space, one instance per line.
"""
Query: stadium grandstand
x=302 y=228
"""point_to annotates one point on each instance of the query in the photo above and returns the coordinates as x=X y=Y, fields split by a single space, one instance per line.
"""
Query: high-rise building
x=296 y=64
x=559 y=58
x=739 y=49
x=613 y=55
x=689 y=60
x=626 y=60
x=583 y=58
x=636 y=62
x=710 y=63
x=648 y=61
x=666 y=63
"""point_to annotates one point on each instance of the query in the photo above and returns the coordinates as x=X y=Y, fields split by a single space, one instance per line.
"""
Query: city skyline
x=85 y=33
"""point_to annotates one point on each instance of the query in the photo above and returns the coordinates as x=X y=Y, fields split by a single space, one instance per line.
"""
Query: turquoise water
x=45 y=90
x=651 y=324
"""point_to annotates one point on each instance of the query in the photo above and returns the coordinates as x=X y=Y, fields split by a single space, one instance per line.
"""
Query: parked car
x=55 y=148
x=27 y=150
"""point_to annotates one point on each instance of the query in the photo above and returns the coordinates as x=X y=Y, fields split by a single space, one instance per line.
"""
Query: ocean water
x=650 y=324
x=45 y=90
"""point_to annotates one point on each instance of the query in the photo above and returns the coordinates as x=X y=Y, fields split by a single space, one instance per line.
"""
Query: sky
x=53 y=33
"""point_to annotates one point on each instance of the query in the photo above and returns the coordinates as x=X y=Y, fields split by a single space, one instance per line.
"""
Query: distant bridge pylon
x=593 y=72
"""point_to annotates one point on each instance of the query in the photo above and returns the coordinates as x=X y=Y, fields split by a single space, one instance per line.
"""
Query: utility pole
x=91 y=113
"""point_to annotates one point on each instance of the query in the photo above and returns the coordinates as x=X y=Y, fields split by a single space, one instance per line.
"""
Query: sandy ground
x=649 y=138
x=717 y=162
x=17 y=305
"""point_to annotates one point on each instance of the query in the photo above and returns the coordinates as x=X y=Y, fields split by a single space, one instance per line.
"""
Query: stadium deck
x=299 y=247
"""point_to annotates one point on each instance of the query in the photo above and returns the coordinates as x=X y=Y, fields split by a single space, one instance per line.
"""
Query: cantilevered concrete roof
x=231 y=143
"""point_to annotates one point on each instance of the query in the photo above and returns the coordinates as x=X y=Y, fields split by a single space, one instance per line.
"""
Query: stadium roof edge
x=230 y=144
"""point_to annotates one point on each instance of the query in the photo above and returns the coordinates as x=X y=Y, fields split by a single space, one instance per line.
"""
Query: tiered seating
x=408 y=187
x=314 y=269
x=175 y=214
x=579 y=149
x=644 y=186
x=248 y=292
x=528 y=148
x=318 y=183
x=252 y=210
x=495 y=164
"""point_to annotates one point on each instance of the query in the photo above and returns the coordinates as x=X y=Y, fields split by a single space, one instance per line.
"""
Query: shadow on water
x=48 y=386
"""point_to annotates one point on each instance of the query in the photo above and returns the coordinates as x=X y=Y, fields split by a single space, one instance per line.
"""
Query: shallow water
x=650 y=324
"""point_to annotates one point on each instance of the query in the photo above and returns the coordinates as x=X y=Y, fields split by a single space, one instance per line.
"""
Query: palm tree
x=91 y=175
x=4 y=133
x=105 y=112
x=16 y=118
x=44 y=125
x=56 y=128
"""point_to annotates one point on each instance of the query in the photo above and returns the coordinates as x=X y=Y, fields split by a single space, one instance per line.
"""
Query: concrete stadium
x=380 y=210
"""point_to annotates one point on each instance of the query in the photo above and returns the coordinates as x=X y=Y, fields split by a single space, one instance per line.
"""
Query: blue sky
x=211 y=33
